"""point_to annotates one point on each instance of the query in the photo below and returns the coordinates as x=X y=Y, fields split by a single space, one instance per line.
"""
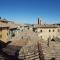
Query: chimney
x=38 y=20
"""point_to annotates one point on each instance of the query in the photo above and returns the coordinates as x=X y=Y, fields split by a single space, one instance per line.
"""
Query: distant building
x=45 y=31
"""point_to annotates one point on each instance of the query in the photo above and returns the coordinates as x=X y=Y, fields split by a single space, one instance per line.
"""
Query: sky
x=28 y=11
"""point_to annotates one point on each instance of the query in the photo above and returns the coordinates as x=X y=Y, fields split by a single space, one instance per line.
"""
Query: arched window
x=40 y=30
x=53 y=30
x=49 y=30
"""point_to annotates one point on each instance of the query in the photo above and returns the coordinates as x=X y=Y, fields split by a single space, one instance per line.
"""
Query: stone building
x=4 y=33
x=45 y=31
x=8 y=26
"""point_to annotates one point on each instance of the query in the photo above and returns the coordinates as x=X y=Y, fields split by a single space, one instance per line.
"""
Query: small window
x=53 y=30
x=40 y=30
x=49 y=30
x=58 y=30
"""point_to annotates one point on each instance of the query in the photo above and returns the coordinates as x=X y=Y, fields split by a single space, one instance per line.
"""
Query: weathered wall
x=45 y=34
x=4 y=33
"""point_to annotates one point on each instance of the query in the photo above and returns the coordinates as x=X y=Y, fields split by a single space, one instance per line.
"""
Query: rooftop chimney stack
x=38 y=20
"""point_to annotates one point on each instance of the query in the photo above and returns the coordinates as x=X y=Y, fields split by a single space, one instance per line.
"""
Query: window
x=53 y=30
x=58 y=30
x=40 y=30
x=49 y=30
